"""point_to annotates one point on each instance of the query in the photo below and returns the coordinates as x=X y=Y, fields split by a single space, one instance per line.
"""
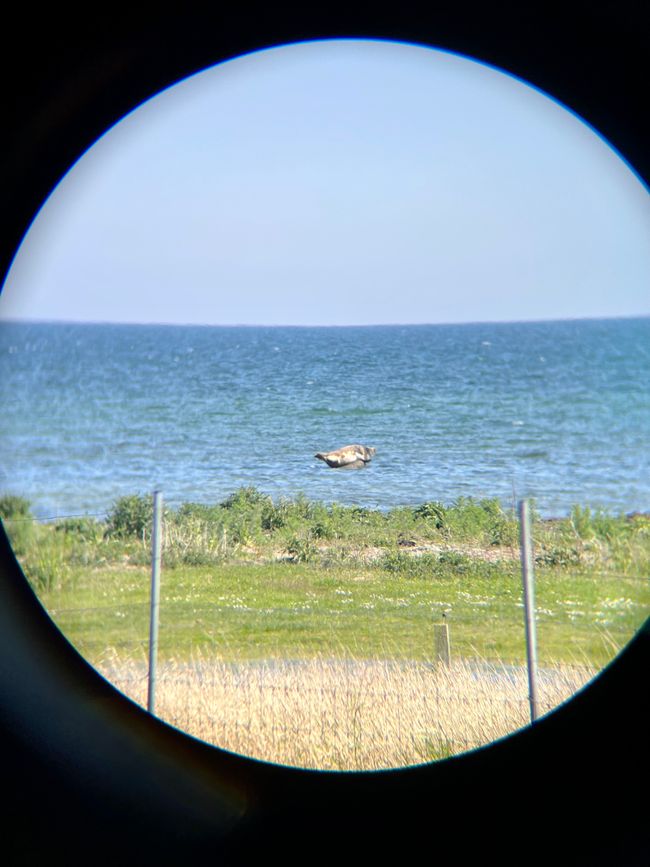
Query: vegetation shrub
x=276 y=515
x=361 y=514
x=13 y=507
x=189 y=512
x=47 y=552
x=445 y=565
x=48 y=566
x=432 y=512
x=301 y=549
x=323 y=529
x=242 y=514
x=398 y=563
x=238 y=520
x=504 y=531
x=245 y=499
x=585 y=538
x=19 y=523
x=86 y=529
x=130 y=516
x=199 y=535
x=454 y=561
x=601 y=525
x=559 y=556
x=482 y=521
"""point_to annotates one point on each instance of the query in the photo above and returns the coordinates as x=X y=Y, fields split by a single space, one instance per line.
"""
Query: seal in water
x=348 y=456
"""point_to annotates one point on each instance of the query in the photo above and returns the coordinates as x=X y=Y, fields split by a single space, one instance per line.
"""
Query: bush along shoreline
x=249 y=526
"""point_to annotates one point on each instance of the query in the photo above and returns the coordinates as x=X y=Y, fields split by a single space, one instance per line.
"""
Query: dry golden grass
x=345 y=714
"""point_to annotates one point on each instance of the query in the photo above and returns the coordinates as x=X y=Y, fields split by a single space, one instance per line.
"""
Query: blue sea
x=556 y=411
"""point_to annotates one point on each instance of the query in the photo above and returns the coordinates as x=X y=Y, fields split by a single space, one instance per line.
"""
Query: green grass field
x=250 y=578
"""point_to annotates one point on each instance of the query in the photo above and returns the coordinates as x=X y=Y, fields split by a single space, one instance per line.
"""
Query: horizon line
x=519 y=321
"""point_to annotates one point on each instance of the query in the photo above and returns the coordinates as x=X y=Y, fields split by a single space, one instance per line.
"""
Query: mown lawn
x=295 y=611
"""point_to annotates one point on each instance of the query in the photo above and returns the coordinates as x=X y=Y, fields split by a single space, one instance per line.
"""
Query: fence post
x=441 y=635
x=529 y=604
x=156 y=537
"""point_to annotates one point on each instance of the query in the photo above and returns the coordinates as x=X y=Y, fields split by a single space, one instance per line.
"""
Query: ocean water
x=557 y=411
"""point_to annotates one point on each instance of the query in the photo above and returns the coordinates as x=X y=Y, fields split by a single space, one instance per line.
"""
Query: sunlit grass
x=334 y=713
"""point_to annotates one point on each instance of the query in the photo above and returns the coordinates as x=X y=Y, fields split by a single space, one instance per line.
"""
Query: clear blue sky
x=341 y=182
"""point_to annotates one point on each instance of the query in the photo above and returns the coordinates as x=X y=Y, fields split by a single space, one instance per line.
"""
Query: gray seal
x=348 y=456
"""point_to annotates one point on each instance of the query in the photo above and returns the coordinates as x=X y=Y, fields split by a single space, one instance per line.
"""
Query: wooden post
x=441 y=635
x=526 y=554
x=156 y=537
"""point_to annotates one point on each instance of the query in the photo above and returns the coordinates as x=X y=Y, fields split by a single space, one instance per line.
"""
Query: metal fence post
x=156 y=538
x=529 y=604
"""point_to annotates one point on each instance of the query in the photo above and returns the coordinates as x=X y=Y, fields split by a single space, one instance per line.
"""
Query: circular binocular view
x=325 y=424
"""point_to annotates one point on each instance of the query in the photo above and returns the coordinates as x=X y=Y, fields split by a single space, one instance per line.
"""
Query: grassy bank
x=252 y=578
